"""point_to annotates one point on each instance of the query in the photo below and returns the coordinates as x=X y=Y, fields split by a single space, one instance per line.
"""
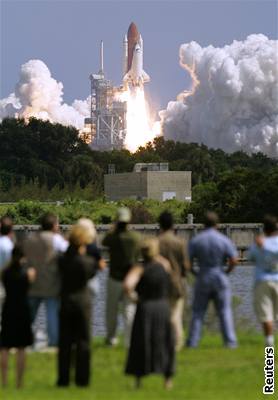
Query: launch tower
x=106 y=127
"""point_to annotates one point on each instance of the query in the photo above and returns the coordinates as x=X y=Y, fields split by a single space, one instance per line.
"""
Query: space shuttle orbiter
x=133 y=73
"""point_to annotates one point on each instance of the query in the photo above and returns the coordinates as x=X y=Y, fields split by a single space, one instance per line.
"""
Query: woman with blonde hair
x=94 y=251
x=75 y=268
x=152 y=346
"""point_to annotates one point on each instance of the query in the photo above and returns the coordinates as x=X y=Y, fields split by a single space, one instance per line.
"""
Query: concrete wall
x=125 y=185
x=241 y=234
x=169 y=181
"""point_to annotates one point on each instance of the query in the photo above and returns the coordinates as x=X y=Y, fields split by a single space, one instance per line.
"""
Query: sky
x=66 y=36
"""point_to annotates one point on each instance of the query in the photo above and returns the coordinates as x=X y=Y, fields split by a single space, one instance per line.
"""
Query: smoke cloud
x=233 y=103
x=39 y=95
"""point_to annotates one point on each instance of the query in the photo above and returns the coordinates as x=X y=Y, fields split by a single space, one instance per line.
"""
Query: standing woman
x=152 y=346
x=16 y=329
x=76 y=268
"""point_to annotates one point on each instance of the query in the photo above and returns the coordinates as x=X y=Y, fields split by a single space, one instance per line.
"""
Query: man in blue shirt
x=265 y=255
x=213 y=251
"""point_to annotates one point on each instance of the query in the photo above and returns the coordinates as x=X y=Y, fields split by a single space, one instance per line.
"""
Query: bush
x=100 y=211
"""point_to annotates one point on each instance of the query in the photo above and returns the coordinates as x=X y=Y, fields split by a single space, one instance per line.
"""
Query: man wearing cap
x=124 y=249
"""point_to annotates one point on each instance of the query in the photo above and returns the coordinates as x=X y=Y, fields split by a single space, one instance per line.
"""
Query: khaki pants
x=115 y=296
x=266 y=300
x=177 y=308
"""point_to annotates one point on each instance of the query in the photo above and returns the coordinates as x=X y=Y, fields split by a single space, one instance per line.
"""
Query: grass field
x=210 y=372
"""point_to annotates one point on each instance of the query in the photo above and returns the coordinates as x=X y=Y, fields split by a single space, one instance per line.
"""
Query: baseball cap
x=123 y=215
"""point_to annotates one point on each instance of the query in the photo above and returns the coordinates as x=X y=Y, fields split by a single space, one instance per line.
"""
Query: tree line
x=44 y=161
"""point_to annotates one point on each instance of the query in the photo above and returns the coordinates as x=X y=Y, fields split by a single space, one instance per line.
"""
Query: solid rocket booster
x=133 y=72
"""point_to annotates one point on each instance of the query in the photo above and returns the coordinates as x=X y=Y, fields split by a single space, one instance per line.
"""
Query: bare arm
x=31 y=274
x=259 y=240
x=232 y=262
x=131 y=280
x=165 y=263
x=102 y=264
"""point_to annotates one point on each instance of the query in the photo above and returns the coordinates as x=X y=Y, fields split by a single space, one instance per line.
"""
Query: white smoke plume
x=233 y=104
x=39 y=95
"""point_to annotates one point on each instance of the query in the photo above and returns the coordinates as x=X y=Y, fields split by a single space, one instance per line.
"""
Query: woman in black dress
x=76 y=268
x=152 y=346
x=16 y=329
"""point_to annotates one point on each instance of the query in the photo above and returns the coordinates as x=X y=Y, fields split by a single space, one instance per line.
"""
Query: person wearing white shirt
x=6 y=248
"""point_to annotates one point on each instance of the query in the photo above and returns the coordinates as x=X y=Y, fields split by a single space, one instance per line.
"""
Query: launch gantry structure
x=106 y=126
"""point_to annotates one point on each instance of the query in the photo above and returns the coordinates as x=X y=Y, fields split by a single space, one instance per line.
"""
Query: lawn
x=210 y=372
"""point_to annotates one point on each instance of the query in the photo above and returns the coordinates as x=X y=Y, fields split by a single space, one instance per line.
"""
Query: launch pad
x=106 y=128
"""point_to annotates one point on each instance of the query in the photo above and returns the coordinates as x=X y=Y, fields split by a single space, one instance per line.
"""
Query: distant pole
x=101 y=58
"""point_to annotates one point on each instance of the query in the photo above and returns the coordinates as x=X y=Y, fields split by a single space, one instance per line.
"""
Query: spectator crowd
x=147 y=279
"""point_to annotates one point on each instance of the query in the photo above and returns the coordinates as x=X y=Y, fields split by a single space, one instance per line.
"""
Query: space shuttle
x=133 y=73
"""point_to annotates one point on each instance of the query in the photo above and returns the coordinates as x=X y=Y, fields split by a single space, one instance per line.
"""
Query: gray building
x=148 y=181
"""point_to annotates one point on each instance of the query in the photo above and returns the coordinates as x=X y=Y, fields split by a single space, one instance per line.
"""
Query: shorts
x=266 y=301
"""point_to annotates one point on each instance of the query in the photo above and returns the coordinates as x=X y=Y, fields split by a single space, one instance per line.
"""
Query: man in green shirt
x=124 y=250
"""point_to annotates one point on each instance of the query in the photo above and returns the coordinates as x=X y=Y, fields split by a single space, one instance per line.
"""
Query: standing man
x=6 y=248
x=212 y=250
x=265 y=255
x=42 y=250
x=173 y=249
x=124 y=249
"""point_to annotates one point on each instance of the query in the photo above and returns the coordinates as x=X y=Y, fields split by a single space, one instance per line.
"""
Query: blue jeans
x=52 y=316
x=212 y=286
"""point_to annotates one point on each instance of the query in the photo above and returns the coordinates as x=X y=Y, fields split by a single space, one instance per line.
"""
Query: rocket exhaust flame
x=138 y=124
x=140 y=130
